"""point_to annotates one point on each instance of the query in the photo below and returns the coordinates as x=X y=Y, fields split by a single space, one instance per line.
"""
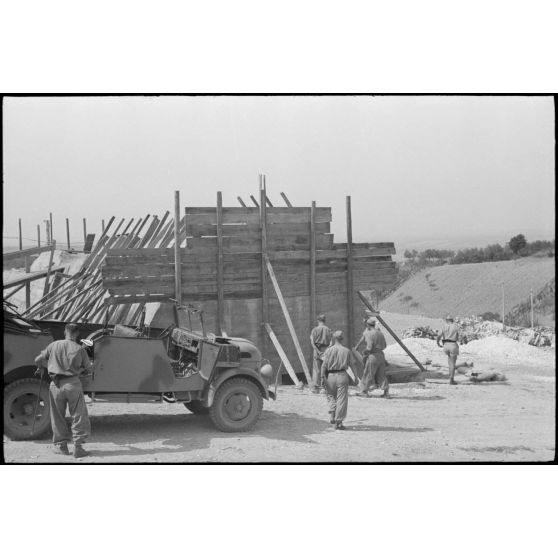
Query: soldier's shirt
x=65 y=357
x=336 y=357
x=321 y=335
x=450 y=332
x=377 y=341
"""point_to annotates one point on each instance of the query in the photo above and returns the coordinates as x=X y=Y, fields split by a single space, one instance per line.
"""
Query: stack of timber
x=83 y=297
x=221 y=265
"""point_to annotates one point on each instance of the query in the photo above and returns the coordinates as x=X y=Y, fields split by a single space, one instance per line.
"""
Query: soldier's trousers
x=337 y=388
x=374 y=373
x=68 y=393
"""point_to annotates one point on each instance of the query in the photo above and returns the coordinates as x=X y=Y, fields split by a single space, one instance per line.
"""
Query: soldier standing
x=320 y=338
x=374 y=360
x=449 y=337
x=335 y=361
x=65 y=359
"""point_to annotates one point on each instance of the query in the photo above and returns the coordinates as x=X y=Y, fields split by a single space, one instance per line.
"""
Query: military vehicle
x=223 y=377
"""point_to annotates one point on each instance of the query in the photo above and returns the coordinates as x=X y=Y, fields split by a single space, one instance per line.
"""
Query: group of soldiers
x=331 y=360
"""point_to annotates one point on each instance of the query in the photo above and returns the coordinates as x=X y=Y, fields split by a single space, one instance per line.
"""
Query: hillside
x=467 y=289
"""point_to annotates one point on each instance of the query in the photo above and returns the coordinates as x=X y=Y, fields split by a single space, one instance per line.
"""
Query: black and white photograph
x=279 y=278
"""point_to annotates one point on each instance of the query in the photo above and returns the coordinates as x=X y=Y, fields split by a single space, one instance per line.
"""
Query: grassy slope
x=467 y=289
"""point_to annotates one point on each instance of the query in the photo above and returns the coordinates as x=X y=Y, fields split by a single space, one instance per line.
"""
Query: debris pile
x=474 y=328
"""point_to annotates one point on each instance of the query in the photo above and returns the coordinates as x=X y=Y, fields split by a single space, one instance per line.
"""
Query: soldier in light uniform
x=335 y=361
x=320 y=339
x=449 y=336
x=65 y=360
x=374 y=360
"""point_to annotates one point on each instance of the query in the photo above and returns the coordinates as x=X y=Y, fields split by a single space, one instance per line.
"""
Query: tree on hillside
x=517 y=243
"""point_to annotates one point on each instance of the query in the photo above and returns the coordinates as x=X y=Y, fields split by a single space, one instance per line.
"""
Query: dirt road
x=437 y=422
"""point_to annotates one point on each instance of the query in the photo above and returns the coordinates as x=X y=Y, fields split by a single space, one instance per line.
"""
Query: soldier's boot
x=331 y=418
x=79 y=451
x=339 y=425
x=62 y=448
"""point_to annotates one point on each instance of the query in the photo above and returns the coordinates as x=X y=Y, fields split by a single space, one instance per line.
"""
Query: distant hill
x=467 y=289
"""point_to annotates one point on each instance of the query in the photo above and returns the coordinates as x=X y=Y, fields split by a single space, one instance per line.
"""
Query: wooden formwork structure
x=260 y=272
x=252 y=269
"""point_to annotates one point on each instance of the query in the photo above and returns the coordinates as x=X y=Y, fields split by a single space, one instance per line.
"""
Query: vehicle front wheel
x=20 y=402
x=196 y=407
x=237 y=405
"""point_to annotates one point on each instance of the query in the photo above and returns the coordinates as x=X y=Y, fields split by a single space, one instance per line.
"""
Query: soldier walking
x=449 y=337
x=335 y=361
x=320 y=339
x=65 y=359
x=374 y=360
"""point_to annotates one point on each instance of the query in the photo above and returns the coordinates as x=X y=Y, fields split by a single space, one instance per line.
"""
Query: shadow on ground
x=377 y=428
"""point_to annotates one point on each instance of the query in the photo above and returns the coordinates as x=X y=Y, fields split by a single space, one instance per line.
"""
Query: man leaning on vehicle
x=65 y=360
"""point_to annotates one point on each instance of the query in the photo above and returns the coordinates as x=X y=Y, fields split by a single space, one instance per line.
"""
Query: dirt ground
x=511 y=421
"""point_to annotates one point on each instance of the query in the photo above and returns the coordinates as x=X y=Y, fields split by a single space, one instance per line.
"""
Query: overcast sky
x=418 y=169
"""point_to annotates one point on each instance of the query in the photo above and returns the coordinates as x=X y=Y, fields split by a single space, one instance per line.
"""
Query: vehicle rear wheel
x=20 y=402
x=197 y=408
x=237 y=405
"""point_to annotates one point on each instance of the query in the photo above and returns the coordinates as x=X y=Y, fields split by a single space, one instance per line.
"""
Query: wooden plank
x=283 y=195
x=29 y=277
x=9 y=256
x=241 y=201
x=250 y=215
x=113 y=300
x=177 y=278
x=282 y=355
x=68 y=232
x=350 y=282
x=289 y=321
x=232 y=243
x=89 y=240
x=263 y=225
x=242 y=229
x=313 y=263
x=220 y=271
x=392 y=333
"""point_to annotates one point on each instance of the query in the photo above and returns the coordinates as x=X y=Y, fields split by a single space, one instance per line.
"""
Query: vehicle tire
x=20 y=399
x=237 y=405
x=197 y=408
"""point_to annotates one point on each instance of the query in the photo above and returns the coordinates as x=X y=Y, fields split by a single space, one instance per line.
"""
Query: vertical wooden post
x=532 y=312
x=103 y=225
x=48 y=235
x=51 y=229
x=39 y=236
x=177 y=271
x=20 y=236
x=263 y=226
x=28 y=284
x=47 y=278
x=313 y=309
x=68 y=232
x=84 y=230
x=350 y=287
x=220 y=290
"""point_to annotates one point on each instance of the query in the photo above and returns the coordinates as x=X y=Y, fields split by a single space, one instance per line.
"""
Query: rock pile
x=474 y=327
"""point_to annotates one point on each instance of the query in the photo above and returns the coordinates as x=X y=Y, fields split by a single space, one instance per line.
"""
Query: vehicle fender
x=222 y=377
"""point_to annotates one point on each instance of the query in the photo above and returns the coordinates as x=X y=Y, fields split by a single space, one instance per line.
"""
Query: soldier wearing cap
x=320 y=339
x=335 y=361
x=374 y=360
x=449 y=337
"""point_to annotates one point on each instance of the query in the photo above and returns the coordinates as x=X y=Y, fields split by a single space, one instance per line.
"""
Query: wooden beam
x=313 y=263
x=268 y=202
x=282 y=355
x=20 y=236
x=177 y=278
x=392 y=333
x=220 y=273
x=29 y=277
x=51 y=229
x=84 y=230
x=350 y=284
x=27 y=284
x=68 y=232
x=289 y=321
x=9 y=256
x=39 y=236
x=263 y=227
x=241 y=201
x=286 y=199
x=255 y=201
